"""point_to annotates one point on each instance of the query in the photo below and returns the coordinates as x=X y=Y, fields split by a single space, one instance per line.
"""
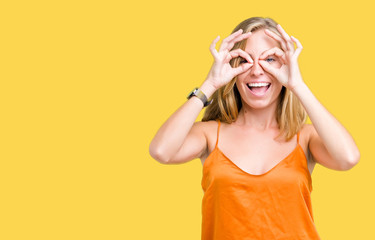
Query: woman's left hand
x=288 y=74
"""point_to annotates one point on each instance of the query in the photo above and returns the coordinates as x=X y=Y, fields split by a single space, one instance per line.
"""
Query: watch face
x=192 y=93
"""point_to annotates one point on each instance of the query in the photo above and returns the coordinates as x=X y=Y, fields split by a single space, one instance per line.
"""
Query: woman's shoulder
x=305 y=134
x=304 y=139
x=209 y=128
x=306 y=130
x=206 y=126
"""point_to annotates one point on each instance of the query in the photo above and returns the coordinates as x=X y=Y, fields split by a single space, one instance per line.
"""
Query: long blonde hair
x=290 y=114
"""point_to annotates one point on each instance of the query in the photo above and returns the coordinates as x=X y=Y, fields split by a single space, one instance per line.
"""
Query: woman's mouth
x=258 y=89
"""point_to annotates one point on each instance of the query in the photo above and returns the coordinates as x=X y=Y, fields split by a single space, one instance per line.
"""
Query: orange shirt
x=238 y=205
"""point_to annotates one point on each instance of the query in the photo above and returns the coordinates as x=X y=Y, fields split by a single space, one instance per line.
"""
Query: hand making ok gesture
x=221 y=71
x=288 y=74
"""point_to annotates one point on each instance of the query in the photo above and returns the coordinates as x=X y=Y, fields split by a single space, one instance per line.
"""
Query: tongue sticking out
x=259 y=90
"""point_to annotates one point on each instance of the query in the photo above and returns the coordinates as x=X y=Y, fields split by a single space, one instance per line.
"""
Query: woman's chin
x=259 y=104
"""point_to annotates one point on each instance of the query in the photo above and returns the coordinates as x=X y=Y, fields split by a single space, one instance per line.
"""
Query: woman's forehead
x=259 y=42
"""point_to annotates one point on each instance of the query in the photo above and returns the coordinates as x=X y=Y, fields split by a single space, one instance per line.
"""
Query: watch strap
x=199 y=94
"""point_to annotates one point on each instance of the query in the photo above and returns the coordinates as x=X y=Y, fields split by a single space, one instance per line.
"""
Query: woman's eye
x=270 y=59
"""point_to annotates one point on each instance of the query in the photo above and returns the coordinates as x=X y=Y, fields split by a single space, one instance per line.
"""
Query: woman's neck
x=260 y=119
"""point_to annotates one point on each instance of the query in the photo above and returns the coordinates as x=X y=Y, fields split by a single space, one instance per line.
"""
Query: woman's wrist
x=207 y=88
x=300 y=89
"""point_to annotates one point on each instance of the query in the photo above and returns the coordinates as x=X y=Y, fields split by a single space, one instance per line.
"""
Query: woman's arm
x=330 y=143
x=178 y=133
x=179 y=139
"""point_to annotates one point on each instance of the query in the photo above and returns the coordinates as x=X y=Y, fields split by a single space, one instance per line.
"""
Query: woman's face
x=258 y=88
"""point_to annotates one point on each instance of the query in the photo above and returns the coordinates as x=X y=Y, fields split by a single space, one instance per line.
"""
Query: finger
x=242 y=68
x=273 y=51
x=236 y=53
x=299 y=46
x=286 y=37
x=229 y=38
x=277 y=38
x=213 y=47
x=238 y=39
x=266 y=66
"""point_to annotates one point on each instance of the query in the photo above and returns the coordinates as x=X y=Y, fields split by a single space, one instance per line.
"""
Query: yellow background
x=85 y=85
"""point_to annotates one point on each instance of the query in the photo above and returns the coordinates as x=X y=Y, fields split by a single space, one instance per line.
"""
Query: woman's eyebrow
x=266 y=51
x=260 y=54
x=273 y=54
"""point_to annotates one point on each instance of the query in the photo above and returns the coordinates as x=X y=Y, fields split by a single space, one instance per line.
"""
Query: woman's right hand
x=221 y=71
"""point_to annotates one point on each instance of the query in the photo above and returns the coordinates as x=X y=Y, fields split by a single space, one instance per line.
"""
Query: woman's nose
x=256 y=69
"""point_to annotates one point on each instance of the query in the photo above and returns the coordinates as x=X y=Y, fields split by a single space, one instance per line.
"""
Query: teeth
x=258 y=84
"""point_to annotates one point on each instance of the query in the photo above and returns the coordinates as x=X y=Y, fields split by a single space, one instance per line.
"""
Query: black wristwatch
x=199 y=94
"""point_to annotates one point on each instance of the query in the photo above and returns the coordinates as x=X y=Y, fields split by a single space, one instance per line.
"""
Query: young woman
x=257 y=152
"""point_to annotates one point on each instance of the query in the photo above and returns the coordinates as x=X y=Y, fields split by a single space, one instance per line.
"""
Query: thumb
x=266 y=66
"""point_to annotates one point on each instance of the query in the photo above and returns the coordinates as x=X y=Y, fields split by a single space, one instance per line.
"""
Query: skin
x=247 y=141
x=259 y=111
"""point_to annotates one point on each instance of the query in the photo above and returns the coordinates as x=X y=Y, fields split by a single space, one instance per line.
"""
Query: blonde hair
x=290 y=114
